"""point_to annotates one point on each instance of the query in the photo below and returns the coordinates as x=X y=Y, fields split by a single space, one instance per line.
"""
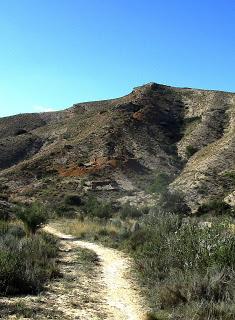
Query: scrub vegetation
x=185 y=266
x=27 y=259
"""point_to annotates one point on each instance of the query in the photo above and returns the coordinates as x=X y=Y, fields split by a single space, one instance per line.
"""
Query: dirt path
x=121 y=298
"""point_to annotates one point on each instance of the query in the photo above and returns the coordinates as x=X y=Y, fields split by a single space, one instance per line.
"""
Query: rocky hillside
x=115 y=148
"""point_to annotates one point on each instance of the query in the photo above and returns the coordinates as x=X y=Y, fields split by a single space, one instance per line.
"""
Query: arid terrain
x=114 y=148
x=138 y=194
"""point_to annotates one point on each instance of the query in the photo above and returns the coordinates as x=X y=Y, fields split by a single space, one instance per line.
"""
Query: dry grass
x=87 y=228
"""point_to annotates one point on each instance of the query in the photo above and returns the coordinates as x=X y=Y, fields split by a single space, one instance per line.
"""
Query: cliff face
x=114 y=146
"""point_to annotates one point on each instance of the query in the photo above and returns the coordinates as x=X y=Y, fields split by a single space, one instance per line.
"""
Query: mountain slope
x=119 y=145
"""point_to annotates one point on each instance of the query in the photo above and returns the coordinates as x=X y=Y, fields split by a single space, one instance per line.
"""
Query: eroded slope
x=114 y=146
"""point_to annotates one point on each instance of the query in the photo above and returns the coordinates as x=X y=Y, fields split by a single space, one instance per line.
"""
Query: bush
x=173 y=202
x=25 y=263
x=231 y=176
x=190 y=151
x=128 y=211
x=95 y=208
x=160 y=183
x=19 y=132
x=215 y=207
x=33 y=217
x=72 y=200
x=63 y=210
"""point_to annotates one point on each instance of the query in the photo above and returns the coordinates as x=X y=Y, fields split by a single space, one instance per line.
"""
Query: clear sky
x=58 y=52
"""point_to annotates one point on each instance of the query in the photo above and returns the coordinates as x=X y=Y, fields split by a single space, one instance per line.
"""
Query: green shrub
x=230 y=175
x=63 y=210
x=4 y=214
x=88 y=257
x=103 y=210
x=72 y=200
x=95 y=208
x=145 y=210
x=190 y=151
x=25 y=263
x=160 y=183
x=4 y=227
x=216 y=207
x=158 y=315
x=173 y=202
x=128 y=211
x=33 y=217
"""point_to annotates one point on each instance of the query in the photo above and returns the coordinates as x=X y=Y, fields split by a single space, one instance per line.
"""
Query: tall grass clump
x=89 y=229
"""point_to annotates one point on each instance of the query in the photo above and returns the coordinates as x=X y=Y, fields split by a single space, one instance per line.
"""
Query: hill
x=115 y=148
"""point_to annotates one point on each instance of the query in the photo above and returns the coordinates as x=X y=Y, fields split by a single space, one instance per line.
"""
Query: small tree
x=33 y=217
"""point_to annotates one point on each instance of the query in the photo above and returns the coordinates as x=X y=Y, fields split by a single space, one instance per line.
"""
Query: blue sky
x=58 y=52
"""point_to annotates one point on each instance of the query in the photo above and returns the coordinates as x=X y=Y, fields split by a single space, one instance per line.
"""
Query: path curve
x=123 y=299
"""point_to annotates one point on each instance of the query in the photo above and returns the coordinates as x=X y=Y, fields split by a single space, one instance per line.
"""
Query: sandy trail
x=122 y=297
